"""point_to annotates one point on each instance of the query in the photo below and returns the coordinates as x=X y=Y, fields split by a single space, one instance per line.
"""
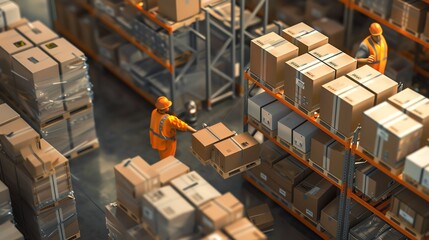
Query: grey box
x=415 y=164
x=287 y=124
x=302 y=136
x=272 y=113
x=257 y=102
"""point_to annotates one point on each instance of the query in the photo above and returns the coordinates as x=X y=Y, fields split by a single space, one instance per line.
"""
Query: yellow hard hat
x=375 y=29
x=163 y=103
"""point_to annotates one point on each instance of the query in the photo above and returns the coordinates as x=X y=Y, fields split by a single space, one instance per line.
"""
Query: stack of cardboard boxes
x=46 y=79
x=39 y=180
x=7 y=228
x=167 y=201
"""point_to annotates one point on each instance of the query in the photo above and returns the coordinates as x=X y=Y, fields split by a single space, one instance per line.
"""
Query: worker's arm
x=179 y=124
x=362 y=55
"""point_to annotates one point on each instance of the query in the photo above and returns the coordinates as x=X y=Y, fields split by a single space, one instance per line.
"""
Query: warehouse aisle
x=122 y=121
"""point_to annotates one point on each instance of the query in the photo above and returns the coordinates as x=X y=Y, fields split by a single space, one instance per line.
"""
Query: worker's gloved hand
x=371 y=59
x=191 y=129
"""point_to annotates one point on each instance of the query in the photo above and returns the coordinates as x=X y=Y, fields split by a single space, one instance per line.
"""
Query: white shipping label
x=282 y=192
x=263 y=176
x=300 y=83
x=383 y=134
x=405 y=216
x=308 y=212
x=148 y=213
x=208 y=223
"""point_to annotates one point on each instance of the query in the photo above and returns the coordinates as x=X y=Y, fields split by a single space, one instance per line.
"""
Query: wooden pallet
x=301 y=154
x=415 y=34
x=310 y=113
x=199 y=158
x=273 y=89
x=334 y=131
x=314 y=223
x=325 y=172
x=129 y=212
x=284 y=143
x=405 y=227
x=416 y=184
x=75 y=236
x=395 y=171
x=83 y=150
x=269 y=132
x=52 y=205
x=236 y=171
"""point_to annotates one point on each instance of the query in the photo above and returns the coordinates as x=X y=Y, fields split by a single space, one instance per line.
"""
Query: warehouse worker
x=163 y=128
x=373 y=49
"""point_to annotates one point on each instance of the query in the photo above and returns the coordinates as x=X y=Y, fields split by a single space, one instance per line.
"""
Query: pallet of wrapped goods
x=370 y=228
x=37 y=32
x=5 y=204
x=9 y=172
x=243 y=229
x=305 y=37
x=16 y=135
x=134 y=177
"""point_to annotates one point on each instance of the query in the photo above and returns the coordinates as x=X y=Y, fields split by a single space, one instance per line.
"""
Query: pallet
x=415 y=34
x=310 y=113
x=94 y=144
x=278 y=89
x=284 y=143
x=129 y=213
x=405 y=226
x=314 y=223
x=199 y=158
x=335 y=131
x=236 y=171
x=301 y=154
x=269 y=132
x=393 y=170
x=52 y=205
x=325 y=172
x=75 y=236
x=416 y=184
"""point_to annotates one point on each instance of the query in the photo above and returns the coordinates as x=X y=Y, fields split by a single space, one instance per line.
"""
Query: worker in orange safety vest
x=373 y=49
x=163 y=128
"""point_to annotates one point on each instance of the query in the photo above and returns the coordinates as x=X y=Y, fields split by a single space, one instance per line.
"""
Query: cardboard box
x=261 y=216
x=37 y=32
x=363 y=74
x=290 y=14
x=415 y=13
x=325 y=52
x=304 y=78
x=267 y=56
x=335 y=158
x=243 y=229
x=297 y=30
x=10 y=14
x=319 y=148
x=16 y=135
x=412 y=210
x=334 y=30
x=40 y=158
x=329 y=215
x=86 y=25
x=371 y=181
x=345 y=103
x=108 y=46
x=420 y=113
x=263 y=172
x=195 y=188
x=165 y=211
x=289 y=172
x=415 y=164
x=81 y=125
x=370 y=228
x=236 y=151
x=373 y=119
x=271 y=153
x=272 y=113
x=305 y=37
x=342 y=64
x=169 y=168
x=312 y=195
x=257 y=102
x=302 y=135
x=9 y=174
x=220 y=212
x=425 y=178
x=178 y=10
x=55 y=134
x=287 y=124
x=136 y=177
x=216 y=235
x=281 y=192
x=204 y=139
x=8 y=114
x=10 y=232
x=405 y=99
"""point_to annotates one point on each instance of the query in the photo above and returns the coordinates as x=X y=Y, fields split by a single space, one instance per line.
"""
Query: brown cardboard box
x=243 y=229
x=37 y=32
x=263 y=172
x=108 y=46
x=329 y=215
x=290 y=14
x=297 y=30
x=10 y=232
x=343 y=103
x=204 y=139
x=267 y=56
x=372 y=120
x=334 y=30
x=325 y=52
x=135 y=176
x=420 y=113
x=165 y=211
x=405 y=99
x=415 y=13
x=7 y=114
x=313 y=194
x=19 y=23
x=319 y=147
x=335 y=159
x=271 y=153
x=305 y=37
x=261 y=216
x=363 y=74
x=280 y=191
x=216 y=235
x=304 y=77
x=87 y=35
x=371 y=181
x=220 y=212
x=412 y=210
x=195 y=188
x=178 y=10
x=126 y=199
x=342 y=64
x=316 y=9
x=40 y=158
x=236 y=151
x=16 y=135
x=289 y=172
x=169 y=168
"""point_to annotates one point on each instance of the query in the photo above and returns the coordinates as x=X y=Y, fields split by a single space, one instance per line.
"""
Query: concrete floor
x=122 y=119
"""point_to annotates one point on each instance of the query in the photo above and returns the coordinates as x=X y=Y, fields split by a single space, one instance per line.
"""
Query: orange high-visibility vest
x=162 y=130
x=379 y=51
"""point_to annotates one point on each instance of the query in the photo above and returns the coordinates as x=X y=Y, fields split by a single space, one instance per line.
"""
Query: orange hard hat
x=163 y=103
x=375 y=29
